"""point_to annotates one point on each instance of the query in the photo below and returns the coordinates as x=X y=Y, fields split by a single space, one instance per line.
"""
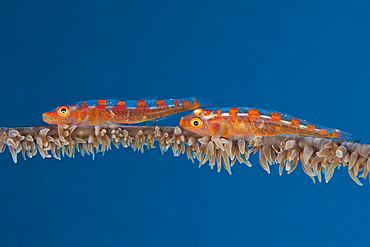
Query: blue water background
x=306 y=58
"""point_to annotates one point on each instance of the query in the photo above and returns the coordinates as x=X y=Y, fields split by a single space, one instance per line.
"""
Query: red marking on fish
x=253 y=113
x=141 y=105
x=121 y=104
x=295 y=122
x=161 y=103
x=101 y=103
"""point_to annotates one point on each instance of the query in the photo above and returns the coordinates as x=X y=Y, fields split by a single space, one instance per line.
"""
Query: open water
x=306 y=58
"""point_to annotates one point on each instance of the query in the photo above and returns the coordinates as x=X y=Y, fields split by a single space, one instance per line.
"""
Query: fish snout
x=47 y=117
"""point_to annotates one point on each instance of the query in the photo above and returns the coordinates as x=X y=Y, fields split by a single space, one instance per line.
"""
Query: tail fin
x=347 y=137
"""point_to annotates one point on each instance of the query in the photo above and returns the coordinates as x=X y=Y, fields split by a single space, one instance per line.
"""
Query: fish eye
x=196 y=122
x=63 y=111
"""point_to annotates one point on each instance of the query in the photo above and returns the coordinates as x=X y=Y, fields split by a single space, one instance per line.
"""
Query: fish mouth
x=48 y=119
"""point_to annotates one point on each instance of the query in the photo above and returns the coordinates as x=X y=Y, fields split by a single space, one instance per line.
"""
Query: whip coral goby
x=242 y=121
x=317 y=155
x=96 y=112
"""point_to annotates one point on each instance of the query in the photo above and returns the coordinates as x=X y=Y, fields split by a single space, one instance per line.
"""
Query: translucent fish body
x=240 y=121
x=95 y=112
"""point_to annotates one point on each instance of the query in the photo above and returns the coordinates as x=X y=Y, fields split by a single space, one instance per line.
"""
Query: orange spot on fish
x=185 y=102
x=233 y=112
x=207 y=113
x=294 y=122
x=121 y=104
x=176 y=102
x=311 y=126
x=160 y=103
x=101 y=103
x=323 y=131
x=219 y=113
x=275 y=117
x=141 y=105
x=253 y=113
